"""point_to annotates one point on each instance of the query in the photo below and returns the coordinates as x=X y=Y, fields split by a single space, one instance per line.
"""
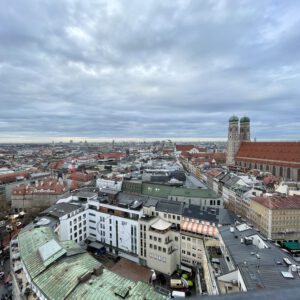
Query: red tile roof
x=50 y=186
x=279 y=202
x=277 y=153
x=54 y=165
x=184 y=147
x=213 y=172
x=6 y=178
x=84 y=177
x=112 y=155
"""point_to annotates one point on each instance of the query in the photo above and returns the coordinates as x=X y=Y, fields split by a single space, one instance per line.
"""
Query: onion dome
x=234 y=119
x=244 y=120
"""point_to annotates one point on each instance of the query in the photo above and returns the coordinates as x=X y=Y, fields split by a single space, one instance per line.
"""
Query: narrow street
x=4 y=290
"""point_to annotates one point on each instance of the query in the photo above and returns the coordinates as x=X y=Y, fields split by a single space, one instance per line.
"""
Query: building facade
x=277 y=217
x=282 y=159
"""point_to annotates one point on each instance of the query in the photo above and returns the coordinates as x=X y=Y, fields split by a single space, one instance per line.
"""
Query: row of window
x=78 y=226
x=158 y=257
x=169 y=216
x=159 y=248
x=79 y=238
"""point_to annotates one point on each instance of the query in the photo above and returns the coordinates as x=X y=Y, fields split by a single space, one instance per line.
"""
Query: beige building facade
x=277 y=217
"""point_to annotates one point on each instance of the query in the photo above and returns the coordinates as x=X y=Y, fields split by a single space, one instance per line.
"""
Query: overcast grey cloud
x=148 y=69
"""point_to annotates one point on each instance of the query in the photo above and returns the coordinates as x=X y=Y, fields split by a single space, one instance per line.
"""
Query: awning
x=96 y=245
x=292 y=246
x=199 y=228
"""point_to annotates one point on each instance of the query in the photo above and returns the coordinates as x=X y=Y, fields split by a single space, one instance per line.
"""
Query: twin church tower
x=238 y=131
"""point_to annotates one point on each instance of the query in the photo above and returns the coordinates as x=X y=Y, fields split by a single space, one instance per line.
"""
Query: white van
x=177 y=294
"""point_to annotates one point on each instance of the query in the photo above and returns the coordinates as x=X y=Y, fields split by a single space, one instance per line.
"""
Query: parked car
x=19 y=224
x=9 y=228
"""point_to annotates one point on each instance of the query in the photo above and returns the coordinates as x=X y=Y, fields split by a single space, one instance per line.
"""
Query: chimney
x=85 y=277
x=98 y=270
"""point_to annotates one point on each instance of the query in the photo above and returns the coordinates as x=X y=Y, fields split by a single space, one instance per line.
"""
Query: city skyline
x=102 y=70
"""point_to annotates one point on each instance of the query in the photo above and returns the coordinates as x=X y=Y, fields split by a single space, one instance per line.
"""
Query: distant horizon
x=77 y=140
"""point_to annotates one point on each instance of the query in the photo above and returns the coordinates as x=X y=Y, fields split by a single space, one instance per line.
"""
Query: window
x=159 y=248
x=183 y=251
x=178 y=218
x=173 y=217
x=188 y=253
x=164 y=250
x=183 y=237
x=150 y=236
x=169 y=216
x=93 y=215
x=155 y=247
x=165 y=215
x=176 y=238
x=159 y=240
x=93 y=228
x=92 y=221
x=155 y=238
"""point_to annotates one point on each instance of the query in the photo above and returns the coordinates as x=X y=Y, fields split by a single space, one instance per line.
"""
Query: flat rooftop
x=260 y=268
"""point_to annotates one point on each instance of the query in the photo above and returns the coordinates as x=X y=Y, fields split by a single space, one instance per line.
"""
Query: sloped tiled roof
x=279 y=202
x=284 y=152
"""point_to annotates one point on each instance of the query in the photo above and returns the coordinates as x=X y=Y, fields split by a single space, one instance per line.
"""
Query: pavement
x=194 y=182
x=131 y=270
x=3 y=288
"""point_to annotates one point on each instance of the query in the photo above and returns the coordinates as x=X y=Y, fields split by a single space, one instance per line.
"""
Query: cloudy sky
x=92 y=69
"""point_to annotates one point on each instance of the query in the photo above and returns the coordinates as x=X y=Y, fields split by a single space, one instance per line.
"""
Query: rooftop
x=161 y=225
x=279 y=202
x=73 y=273
x=275 y=151
x=164 y=191
x=60 y=209
x=169 y=206
x=260 y=267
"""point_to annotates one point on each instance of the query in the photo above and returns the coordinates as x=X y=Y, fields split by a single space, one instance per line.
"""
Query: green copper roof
x=166 y=191
x=244 y=120
x=234 y=119
x=57 y=278
x=193 y=193
x=110 y=285
x=30 y=241
x=59 y=281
